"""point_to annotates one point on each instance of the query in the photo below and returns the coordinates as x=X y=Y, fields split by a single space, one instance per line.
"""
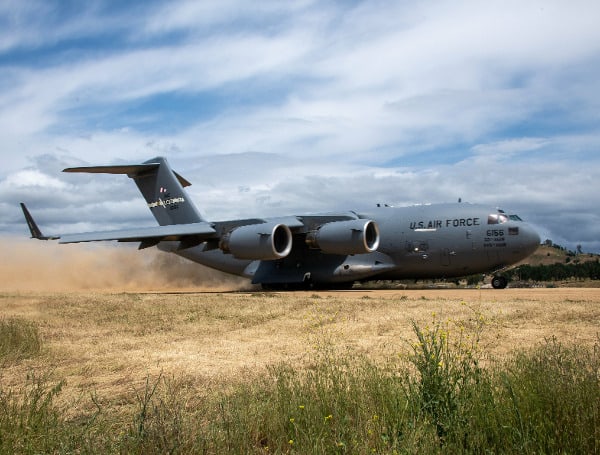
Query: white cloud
x=193 y=16
x=324 y=105
x=32 y=179
x=510 y=147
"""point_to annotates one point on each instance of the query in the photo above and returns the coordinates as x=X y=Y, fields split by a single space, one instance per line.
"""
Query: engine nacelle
x=265 y=241
x=345 y=237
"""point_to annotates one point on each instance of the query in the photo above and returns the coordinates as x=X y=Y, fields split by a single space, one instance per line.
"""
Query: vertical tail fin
x=162 y=188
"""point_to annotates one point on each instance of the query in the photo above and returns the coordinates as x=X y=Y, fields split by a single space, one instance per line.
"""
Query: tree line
x=555 y=272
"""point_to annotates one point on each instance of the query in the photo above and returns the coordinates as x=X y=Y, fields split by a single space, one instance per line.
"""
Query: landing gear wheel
x=499 y=282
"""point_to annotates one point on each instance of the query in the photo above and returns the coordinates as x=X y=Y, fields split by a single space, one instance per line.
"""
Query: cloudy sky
x=274 y=108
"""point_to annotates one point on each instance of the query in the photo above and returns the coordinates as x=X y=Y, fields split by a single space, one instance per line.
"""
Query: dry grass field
x=232 y=366
x=109 y=342
x=111 y=316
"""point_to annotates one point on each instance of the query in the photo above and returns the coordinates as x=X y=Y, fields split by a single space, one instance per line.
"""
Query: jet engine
x=266 y=241
x=345 y=237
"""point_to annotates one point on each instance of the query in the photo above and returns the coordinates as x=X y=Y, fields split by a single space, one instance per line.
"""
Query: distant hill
x=556 y=266
x=549 y=255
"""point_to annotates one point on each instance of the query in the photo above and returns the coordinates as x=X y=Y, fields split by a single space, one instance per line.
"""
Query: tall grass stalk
x=29 y=420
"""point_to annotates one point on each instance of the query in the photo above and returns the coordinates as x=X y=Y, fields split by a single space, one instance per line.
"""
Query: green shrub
x=450 y=378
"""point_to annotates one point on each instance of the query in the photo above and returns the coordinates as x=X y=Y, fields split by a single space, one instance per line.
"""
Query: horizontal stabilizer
x=131 y=170
x=146 y=235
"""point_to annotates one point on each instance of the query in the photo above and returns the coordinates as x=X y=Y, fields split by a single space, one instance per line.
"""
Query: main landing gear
x=499 y=282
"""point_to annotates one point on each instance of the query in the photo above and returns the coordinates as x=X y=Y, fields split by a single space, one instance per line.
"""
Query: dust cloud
x=32 y=265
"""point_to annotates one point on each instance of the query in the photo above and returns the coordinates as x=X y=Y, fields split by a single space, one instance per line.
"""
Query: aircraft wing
x=298 y=224
x=333 y=233
x=195 y=232
x=223 y=227
x=189 y=234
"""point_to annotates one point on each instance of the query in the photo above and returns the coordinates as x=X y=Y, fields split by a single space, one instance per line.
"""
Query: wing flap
x=145 y=235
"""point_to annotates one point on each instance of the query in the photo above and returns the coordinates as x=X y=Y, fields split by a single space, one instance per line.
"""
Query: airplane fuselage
x=424 y=241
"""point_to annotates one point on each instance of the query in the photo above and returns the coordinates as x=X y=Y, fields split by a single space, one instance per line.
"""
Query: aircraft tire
x=499 y=282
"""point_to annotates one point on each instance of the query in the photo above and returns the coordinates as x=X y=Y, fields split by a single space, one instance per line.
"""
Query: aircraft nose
x=530 y=239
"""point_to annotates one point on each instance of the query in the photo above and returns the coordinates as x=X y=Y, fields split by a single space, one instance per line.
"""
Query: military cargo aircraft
x=328 y=250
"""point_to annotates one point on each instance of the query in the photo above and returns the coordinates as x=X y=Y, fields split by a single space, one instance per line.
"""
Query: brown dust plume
x=31 y=265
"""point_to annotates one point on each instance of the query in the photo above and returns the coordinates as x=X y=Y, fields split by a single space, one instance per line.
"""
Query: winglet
x=33 y=227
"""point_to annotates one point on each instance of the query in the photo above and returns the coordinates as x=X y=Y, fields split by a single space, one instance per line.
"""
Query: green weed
x=447 y=359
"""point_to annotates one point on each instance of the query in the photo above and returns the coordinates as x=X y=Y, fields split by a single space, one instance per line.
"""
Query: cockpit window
x=497 y=218
x=515 y=217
